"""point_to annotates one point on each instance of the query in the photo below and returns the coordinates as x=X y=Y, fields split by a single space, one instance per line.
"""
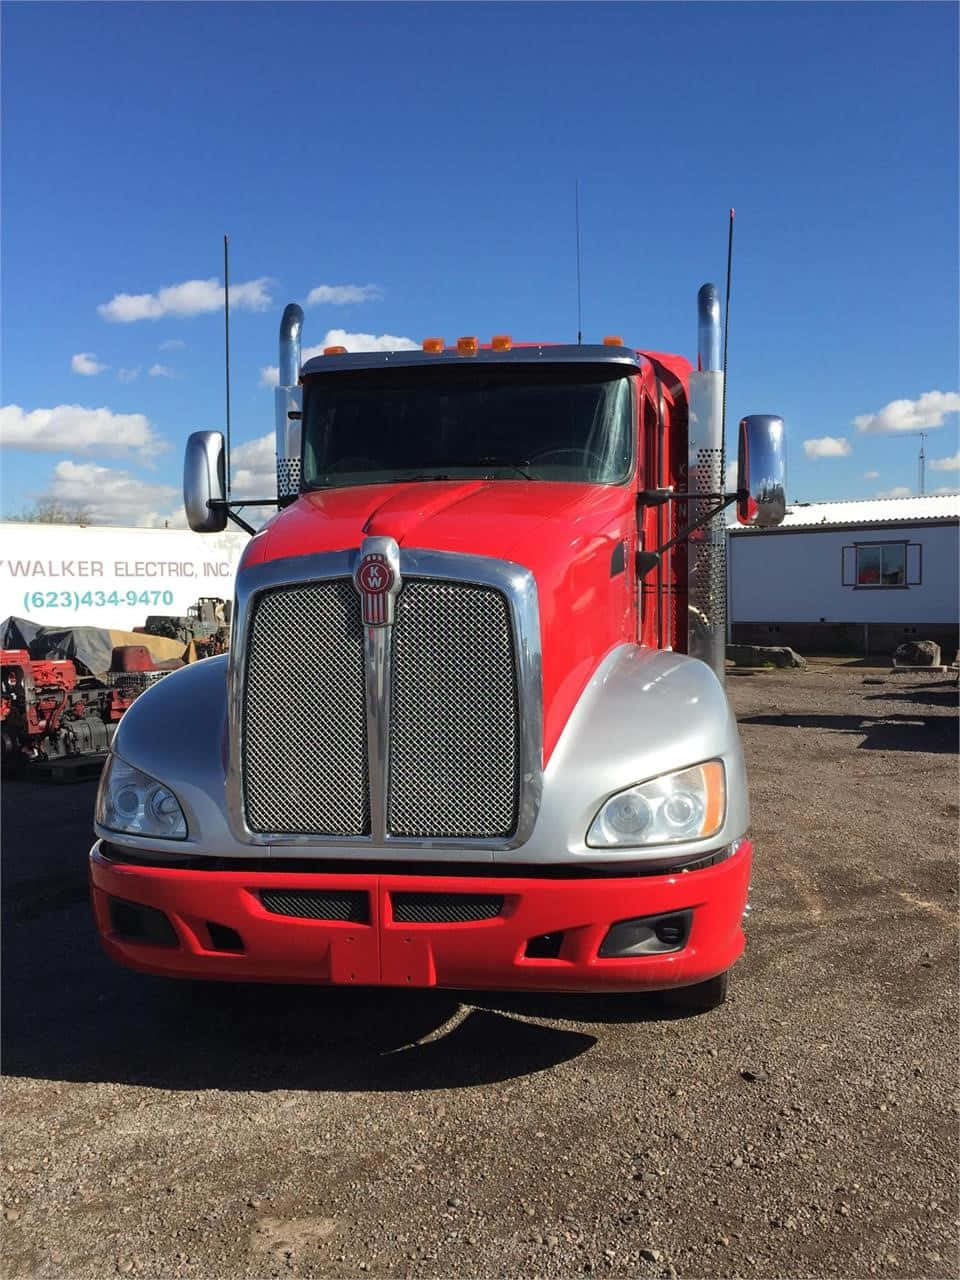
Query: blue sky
x=430 y=151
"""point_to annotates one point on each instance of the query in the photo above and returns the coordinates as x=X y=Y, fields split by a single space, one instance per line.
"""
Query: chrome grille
x=453 y=734
x=304 y=731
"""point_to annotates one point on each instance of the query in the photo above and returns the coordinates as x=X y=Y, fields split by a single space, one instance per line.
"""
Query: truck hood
x=577 y=539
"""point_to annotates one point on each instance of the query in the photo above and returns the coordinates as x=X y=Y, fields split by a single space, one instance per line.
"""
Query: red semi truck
x=472 y=730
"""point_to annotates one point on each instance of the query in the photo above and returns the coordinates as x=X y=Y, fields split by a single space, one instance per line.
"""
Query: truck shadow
x=933 y=734
x=69 y=1014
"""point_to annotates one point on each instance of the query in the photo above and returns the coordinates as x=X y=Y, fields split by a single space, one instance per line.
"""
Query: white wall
x=69 y=575
x=797 y=577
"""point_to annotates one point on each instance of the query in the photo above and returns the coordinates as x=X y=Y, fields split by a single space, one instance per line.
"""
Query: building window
x=875 y=565
x=882 y=564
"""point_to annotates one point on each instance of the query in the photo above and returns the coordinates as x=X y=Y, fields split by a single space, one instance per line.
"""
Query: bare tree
x=51 y=511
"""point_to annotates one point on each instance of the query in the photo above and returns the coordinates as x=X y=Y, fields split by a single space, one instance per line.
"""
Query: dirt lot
x=808 y=1128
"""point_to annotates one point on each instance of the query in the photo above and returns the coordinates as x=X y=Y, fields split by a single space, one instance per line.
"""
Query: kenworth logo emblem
x=377 y=582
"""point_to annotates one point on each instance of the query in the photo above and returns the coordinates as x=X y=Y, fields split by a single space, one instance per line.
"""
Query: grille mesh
x=318 y=904
x=304 y=737
x=454 y=740
x=445 y=908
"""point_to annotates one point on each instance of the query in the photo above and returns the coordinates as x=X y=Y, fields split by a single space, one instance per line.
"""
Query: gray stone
x=917 y=653
x=762 y=655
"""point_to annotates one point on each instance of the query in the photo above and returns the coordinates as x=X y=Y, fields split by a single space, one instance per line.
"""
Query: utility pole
x=923 y=466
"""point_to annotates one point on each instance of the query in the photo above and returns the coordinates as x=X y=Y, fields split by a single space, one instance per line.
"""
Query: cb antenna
x=923 y=466
x=579 y=292
x=726 y=337
x=226 y=339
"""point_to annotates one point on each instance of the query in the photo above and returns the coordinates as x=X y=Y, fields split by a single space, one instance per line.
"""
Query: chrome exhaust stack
x=289 y=406
x=706 y=549
x=708 y=328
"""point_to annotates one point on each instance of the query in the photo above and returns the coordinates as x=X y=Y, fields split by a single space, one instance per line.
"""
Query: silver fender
x=644 y=712
x=176 y=733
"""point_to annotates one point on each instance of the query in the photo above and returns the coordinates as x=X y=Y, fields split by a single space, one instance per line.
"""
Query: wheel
x=701 y=997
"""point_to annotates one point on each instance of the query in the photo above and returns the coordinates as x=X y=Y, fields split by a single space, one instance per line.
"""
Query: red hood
x=567 y=534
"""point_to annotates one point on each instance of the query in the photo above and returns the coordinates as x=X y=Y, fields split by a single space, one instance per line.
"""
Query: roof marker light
x=501 y=342
x=334 y=351
x=467 y=346
x=433 y=345
x=613 y=341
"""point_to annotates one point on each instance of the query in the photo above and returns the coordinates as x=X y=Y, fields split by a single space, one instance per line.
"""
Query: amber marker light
x=433 y=345
x=334 y=351
x=716 y=794
x=613 y=341
x=501 y=342
x=467 y=346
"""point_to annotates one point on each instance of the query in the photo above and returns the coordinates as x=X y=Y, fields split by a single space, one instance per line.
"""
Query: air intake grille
x=454 y=740
x=445 y=908
x=304 y=733
x=318 y=904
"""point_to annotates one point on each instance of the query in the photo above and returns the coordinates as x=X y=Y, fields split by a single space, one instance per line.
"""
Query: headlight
x=687 y=805
x=130 y=801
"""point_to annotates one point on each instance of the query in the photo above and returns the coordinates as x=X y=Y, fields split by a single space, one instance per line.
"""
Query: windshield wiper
x=500 y=462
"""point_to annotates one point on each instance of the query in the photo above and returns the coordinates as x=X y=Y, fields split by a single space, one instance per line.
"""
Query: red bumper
x=486 y=954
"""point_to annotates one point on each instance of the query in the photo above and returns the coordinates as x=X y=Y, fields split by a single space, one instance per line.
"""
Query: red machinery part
x=382 y=951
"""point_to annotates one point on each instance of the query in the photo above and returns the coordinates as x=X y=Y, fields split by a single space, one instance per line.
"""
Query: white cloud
x=79 y=430
x=928 y=410
x=898 y=491
x=128 y=375
x=871 y=475
x=172 y=344
x=827 y=447
x=87 y=364
x=253 y=468
x=192 y=298
x=731 y=475
x=339 y=294
x=946 y=464
x=270 y=374
x=116 y=497
x=161 y=371
x=946 y=488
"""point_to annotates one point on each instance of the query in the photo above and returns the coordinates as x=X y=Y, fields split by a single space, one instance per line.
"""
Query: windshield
x=568 y=422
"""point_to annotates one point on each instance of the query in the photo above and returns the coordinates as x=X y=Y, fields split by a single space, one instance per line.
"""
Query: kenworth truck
x=471 y=731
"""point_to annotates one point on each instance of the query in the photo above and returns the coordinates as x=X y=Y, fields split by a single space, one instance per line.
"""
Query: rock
x=760 y=655
x=917 y=653
x=651 y=1255
x=755 y=1075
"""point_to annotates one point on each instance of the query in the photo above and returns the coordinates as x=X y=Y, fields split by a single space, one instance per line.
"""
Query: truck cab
x=472 y=730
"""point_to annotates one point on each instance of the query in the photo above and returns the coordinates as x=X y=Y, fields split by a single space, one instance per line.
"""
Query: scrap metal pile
x=63 y=690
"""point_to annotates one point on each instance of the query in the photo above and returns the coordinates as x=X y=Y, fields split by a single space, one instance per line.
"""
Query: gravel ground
x=807 y=1128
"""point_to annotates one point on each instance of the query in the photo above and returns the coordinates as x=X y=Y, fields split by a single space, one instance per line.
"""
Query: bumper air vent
x=318 y=904
x=545 y=946
x=445 y=908
x=223 y=938
x=134 y=922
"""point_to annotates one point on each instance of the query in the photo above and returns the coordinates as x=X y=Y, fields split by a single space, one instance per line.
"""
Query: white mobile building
x=849 y=577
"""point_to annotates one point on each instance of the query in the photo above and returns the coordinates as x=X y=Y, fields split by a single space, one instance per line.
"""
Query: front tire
x=701 y=997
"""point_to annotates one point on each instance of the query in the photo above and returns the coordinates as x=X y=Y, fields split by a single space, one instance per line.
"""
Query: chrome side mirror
x=204 y=481
x=762 y=471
